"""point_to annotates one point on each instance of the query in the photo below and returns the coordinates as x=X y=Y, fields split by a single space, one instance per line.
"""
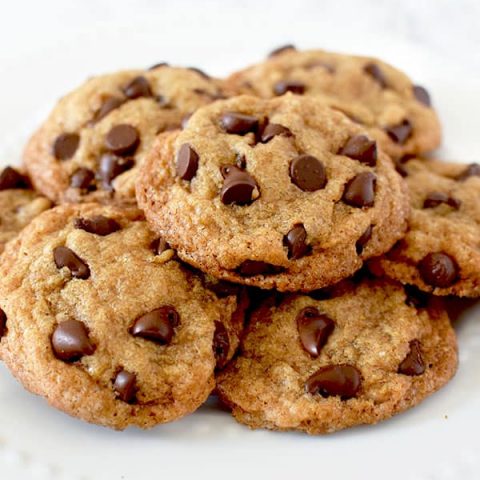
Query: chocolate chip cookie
x=397 y=113
x=441 y=250
x=356 y=355
x=19 y=205
x=282 y=193
x=97 y=136
x=99 y=318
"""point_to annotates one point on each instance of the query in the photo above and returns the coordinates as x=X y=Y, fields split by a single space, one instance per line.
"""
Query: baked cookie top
x=282 y=193
x=383 y=99
x=356 y=356
x=99 y=318
x=441 y=250
x=96 y=137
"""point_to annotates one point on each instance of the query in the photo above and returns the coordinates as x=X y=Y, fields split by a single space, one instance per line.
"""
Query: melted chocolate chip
x=99 y=225
x=187 y=162
x=138 y=87
x=64 y=257
x=272 y=130
x=159 y=245
x=249 y=268
x=400 y=133
x=376 y=73
x=111 y=166
x=308 y=173
x=284 y=86
x=157 y=325
x=238 y=186
x=281 y=49
x=221 y=344
x=70 y=341
x=434 y=199
x=361 y=148
x=110 y=104
x=125 y=386
x=438 y=270
x=335 y=380
x=83 y=178
x=473 y=170
x=122 y=139
x=363 y=240
x=360 y=190
x=296 y=242
x=314 y=329
x=65 y=146
x=3 y=323
x=238 y=123
x=422 y=95
x=10 y=178
x=413 y=363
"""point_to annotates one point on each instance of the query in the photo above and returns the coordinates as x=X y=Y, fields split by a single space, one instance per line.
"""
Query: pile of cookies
x=276 y=238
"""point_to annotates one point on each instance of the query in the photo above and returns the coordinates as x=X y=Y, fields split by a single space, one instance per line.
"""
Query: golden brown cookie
x=358 y=355
x=93 y=142
x=99 y=318
x=441 y=250
x=282 y=193
x=396 y=113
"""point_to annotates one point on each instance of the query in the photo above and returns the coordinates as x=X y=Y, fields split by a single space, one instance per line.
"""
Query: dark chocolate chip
x=296 y=242
x=473 y=170
x=335 y=380
x=125 y=386
x=122 y=139
x=438 y=270
x=159 y=245
x=422 y=95
x=401 y=132
x=70 y=341
x=360 y=190
x=158 y=65
x=200 y=72
x=111 y=166
x=281 y=49
x=241 y=161
x=238 y=123
x=308 y=173
x=10 y=178
x=238 y=186
x=65 y=146
x=376 y=73
x=3 y=323
x=99 y=225
x=64 y=257
x=361 y=148
x=274 y=129
x=314 y=329
x=187 y=162
x=157 y=325
x=210 y=95
x=284 y=86
x=413 y=363
x=434 y=199
x=138 y=87
x=83 y=178
x=110 y=104
x=221 y=344
x=249 y=268
x=415 y=298
x=399 y=167
x=363 y=240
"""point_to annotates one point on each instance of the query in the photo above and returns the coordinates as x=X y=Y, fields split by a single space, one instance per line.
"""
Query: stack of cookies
x=276 y=238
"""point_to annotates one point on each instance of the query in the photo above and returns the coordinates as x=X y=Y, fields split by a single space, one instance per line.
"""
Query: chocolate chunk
x=157 y=325
x=110 y=167
x=10 y=178
x=138 y=87
x=335 y=380
x=422 y=95
x=64 y=257
x=361 y=148
x=281 y=49
x=314 y=329
x=125 y=386
x=308 y=173
x=65 y=146
x=83 y=178
x=3 y=323
x=110 y=104
x=99 y=225
x=296 y=242
x=473 y=170
x=187 y=162
x=363 y=240
x=438 y=270
x=158 y=65
x=284 y=86
x=249 y=268
x=360 y=190
x=122 y=139
x=221 y=344
x=434 y=199
x=238 y=186
x=238 y=123
x=272 y=130
x=413 y=363
x=376 y=73
x=70 y=341
x=200 y=72
x=401 y=132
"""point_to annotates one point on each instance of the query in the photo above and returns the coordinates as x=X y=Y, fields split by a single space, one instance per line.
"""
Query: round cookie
x=396 y=113
x=282 y=193
x=357 y=356
x=99 y=318
x=96 y=137
x=441 y=249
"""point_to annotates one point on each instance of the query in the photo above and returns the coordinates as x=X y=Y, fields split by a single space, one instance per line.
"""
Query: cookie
x=100 y=319
x=358 y=355
x=93 y=142
x=282 y=193
x=19 y=205
x=397 y=113
x=441 y=250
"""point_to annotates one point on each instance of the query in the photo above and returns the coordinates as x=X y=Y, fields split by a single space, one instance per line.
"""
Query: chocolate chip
x=70 y=341
x=157 y=325
x=122 y=139
x=274 y=129
x=221 y=344
x=99 y=225
x=401 y=132
x=413 y=363
x=422 y=95
x=187 y=162
x=210 y=95
x=110 y=104
x=83 y=178
x=360 y=190
x=10 y=178
x=138 y=87
x=200 y=72
x=438 y=270
x=434 y=199
x=238 y=123
x=400 y=168
x=249 y=268
x=125 y=386
x=284 y=86
x=296 y=242
x=314 y=329
x=159 y=245
x=363 y=240
x=223 y=289
x=158 y=65
x=361 y=148
x=415 y=297
x=241 y=162
x=65 y=146
x=238 y=186
x=64 y=257
x=111 y=166
x=3 y=323
x=335 y=380
x=308 y=173
x=473 y=170
x=376 y=73
x=281 y=49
